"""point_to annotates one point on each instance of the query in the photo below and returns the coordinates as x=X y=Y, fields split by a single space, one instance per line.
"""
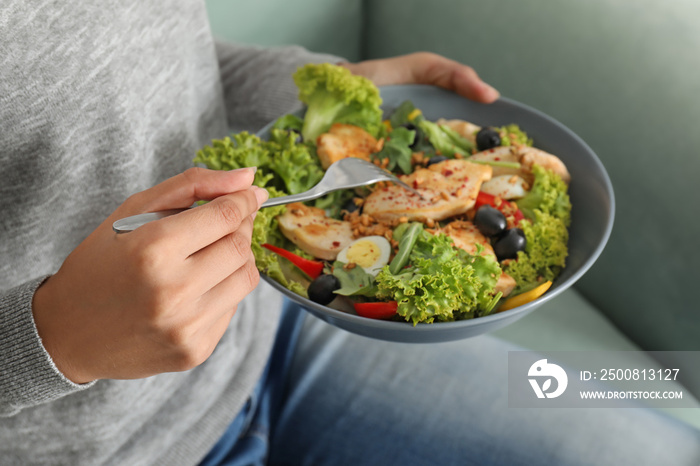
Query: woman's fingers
x=197 y=228
x=232 y=289
x=190 y=186
x=426 y=68
x=212 y=264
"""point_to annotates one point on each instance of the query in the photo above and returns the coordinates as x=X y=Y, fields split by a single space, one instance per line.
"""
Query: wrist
x=53 y=328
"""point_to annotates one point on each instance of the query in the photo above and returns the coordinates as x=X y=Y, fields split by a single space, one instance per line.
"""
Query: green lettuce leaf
x=282 y=163
x=396 y=149
x=353 y=282
x=548 y=194
x=445 y=140
x=512 y=135
x=442 y=282
x=545 y=252
x=288 y=122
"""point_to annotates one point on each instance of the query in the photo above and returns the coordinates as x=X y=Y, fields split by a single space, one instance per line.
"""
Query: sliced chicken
x=506 y=187
x=466 y=236
x=463 y=128
x=313 y=232
x=343 y=141
x=505 y=284
x=530 y=156
x=526 y=157
x=449 y=188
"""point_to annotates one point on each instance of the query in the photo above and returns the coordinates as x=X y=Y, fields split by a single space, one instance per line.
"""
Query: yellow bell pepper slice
x=526 y=297
x=414 y=114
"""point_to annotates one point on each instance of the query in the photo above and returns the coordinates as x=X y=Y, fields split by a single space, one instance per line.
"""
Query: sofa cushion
x=571 y=324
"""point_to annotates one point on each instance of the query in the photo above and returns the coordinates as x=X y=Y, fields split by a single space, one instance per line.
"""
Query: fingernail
x=245 y=169
x=261 y=194
x=490 y=92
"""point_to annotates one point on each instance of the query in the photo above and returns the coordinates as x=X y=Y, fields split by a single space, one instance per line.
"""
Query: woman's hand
x=426 y=68
x=160 y=298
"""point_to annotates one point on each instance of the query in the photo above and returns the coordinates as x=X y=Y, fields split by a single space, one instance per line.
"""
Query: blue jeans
x=329 y=397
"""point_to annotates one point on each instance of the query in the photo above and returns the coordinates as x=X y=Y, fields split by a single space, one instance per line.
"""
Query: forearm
x=257 y=82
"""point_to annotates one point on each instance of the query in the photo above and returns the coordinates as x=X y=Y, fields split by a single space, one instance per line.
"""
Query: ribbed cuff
x=28 y=375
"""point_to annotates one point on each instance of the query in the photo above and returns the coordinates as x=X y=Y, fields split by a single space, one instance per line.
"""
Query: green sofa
x=623 y=75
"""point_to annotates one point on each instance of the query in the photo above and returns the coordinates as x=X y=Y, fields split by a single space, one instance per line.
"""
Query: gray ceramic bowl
x=592 y=200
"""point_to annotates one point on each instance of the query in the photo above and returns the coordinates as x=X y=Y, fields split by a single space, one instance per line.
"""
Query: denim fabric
x=246 y=441
x=350 y=400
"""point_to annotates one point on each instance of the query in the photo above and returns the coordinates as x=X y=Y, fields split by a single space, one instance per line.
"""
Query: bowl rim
x=557 y=286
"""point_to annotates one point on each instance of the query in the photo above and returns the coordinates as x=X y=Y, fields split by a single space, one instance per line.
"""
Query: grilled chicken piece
x=526 y=157
x=463 y=128
x=449 y=189
x=506 y=187
x=505 y=284
x=466 y=236
x=343 y=141
x=530 y=156
x=313 y=232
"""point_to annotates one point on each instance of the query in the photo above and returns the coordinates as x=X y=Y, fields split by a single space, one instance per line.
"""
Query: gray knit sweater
x=99 y=100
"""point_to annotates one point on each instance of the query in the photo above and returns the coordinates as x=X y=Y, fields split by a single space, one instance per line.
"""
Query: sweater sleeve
x=28 y=376
x=257 y=82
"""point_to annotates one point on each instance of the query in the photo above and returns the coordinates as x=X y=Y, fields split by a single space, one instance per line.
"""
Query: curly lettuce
x=441 y=282
x=545 y=252
x=548 y=194
x=282 y=163
x=333 y=94
x=512 y=135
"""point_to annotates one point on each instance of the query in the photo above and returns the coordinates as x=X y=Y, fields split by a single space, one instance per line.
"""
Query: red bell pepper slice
x=484 y=199
x=507 y=208
x=311 y=268
x=380 y=310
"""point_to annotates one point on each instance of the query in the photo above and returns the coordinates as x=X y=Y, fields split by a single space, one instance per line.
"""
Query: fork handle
x=305 y=196
x=128 y=224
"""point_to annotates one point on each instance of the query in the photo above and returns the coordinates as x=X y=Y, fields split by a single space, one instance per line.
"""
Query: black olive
x=350 y=206
x=322 y=288
x=487 y=138
x=299 y=139
x=490 y=221
x=509 y=243
x=436 y=159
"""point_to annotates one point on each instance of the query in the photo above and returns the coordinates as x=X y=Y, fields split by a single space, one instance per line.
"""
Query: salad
x=488 y=233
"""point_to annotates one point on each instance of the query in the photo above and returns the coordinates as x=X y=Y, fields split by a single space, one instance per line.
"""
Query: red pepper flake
x=336 y=244
x=447 y=172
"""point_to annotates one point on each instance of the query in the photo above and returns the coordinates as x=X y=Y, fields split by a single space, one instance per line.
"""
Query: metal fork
x=346 y=173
